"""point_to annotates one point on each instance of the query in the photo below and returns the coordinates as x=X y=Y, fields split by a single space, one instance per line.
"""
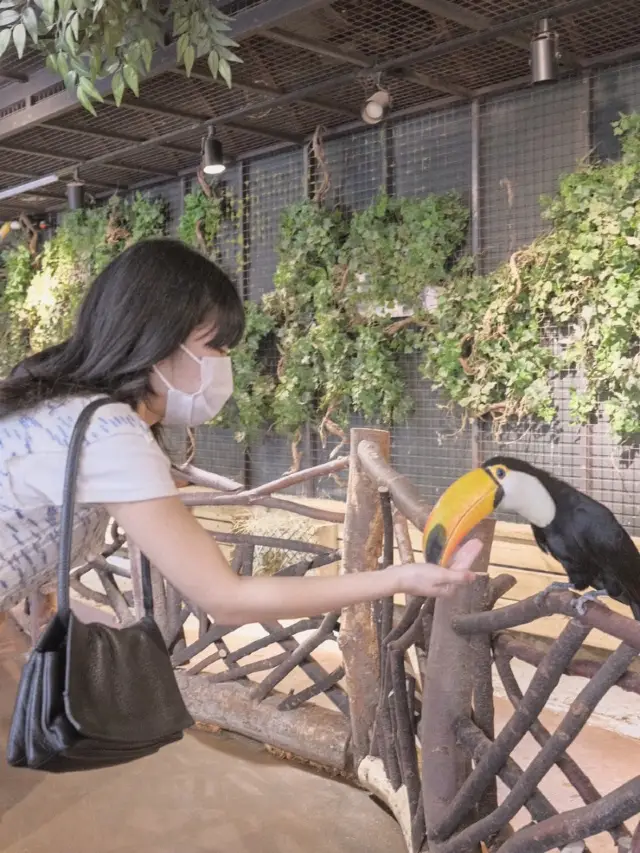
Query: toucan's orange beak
x=464 y=505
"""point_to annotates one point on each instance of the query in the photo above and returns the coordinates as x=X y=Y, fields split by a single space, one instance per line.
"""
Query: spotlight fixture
x=544 y=54
x=212 y=159
x=75 y=193
x=376 y=107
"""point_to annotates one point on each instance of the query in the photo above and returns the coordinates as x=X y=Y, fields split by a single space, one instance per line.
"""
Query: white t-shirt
x=121 y=462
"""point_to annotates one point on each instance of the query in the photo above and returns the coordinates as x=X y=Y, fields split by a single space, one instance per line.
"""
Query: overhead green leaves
x=88 y=41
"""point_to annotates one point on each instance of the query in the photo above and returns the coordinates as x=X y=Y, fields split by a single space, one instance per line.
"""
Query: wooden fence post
x=448 y=689
x=362 y=547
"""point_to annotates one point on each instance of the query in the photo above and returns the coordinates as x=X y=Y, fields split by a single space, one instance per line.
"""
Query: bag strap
x=68 y=510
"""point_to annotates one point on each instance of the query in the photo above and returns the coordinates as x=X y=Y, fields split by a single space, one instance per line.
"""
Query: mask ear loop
x=191 y=446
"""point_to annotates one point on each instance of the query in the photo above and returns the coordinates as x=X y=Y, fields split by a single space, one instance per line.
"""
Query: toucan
x=579 y=532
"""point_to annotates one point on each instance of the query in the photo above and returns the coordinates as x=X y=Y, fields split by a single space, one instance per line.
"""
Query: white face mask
x=194 y=409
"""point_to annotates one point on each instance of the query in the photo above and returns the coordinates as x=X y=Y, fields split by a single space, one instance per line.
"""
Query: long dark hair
x=137 y=312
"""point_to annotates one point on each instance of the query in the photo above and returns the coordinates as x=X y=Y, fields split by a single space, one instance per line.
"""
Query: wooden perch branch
x=610 y=810
x=584 y=665
x=542 y=684
x=574 y=721
x=300 y=569
x=403 y=493
x=478 y=745
x=571 y=770
x=296 y=699
x=597 y=616
x=362 y=544
x=311 y=732
x=292 y=660
x=256 y=645
x=213 y=499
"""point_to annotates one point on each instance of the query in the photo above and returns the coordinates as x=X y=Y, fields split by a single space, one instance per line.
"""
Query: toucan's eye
x=501 y=473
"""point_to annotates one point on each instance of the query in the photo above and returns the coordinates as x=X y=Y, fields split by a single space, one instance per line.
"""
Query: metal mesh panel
x=527 y=141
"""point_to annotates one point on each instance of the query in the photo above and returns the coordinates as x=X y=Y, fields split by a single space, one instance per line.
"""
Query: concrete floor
x=213 y=793
x=207 y=794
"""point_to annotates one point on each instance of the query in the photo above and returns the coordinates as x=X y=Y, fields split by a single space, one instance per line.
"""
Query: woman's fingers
x=465 y=556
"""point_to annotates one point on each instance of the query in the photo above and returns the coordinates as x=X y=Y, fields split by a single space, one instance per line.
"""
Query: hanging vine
x=42 y=293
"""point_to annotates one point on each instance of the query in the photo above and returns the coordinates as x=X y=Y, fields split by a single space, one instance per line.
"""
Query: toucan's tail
x=635 y=609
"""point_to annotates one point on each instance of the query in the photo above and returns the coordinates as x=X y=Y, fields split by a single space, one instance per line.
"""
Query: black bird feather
x=586 y=538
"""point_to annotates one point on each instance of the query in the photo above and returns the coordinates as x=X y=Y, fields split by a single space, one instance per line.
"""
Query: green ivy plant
x=42 y=295
x=201 y=219
x=339 y=283
x=568 y=302
x=85 y=41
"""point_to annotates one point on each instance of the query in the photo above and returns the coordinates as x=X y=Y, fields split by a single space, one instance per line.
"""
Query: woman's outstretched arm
x=190 y=559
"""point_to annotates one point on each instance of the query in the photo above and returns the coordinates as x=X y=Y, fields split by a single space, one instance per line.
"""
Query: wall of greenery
x=348 y=303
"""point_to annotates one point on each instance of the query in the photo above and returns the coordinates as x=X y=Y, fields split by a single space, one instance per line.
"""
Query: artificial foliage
x=86 y=41
x=566 y=304
x=41 y=292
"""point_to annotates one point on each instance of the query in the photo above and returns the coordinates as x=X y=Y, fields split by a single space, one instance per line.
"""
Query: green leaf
x=86 y=103
x=147 y=54
x=30 y=22
x=182 y=45
x=20 y=38
x=225 y=71
x=8 y=4
x=5 y=40
x=89 y=88
x=117 y=87
x=75 y=25
x=189 y=59
x=8 y=17
x=49 y=8
x=213 y=63
x=131 y=79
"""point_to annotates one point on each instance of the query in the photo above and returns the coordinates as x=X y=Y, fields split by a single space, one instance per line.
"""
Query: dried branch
x=498 y=588
x=403 y=492
x=571 y=770
x=478 y=745
x=292 y=660
x=556 y=832
x=542 y=684
x=213 y=499
x=403 y=539
x=312 y=669
x=256 y=645
x=198 y=477
x=300 y=569
x=115 y=596
x=296 y=699
x=271 y=542
x=236 y=672
x=584 y=665
x=597 y=616
x=574 y=721
x=406 y=743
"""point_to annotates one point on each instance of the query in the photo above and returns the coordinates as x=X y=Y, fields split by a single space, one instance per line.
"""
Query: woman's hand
x=427 y=579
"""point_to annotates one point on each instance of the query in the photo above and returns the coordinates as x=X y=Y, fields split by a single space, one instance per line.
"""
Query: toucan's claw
x=580 y=604
x=540 y=597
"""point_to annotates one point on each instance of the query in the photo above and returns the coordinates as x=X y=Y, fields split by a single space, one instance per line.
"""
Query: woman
x=153 y=333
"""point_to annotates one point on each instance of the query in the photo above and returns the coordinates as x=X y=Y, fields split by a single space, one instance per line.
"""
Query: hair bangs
x=226 y=320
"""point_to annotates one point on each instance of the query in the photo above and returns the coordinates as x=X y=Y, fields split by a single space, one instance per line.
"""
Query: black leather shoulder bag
x=91 y=695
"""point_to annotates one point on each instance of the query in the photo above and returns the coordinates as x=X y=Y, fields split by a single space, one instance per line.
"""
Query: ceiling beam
x=473 y=21
x=359 y=60
x=112 y=137
x=246 y=23
x=156 y=109
x=261 y=89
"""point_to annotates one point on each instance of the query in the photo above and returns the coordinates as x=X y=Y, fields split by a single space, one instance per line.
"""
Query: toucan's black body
x=586 y=539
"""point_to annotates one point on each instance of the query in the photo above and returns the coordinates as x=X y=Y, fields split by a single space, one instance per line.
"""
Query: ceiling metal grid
x=306 y=51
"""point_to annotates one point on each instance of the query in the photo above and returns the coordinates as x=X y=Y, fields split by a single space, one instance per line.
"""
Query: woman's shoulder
x=51 y=423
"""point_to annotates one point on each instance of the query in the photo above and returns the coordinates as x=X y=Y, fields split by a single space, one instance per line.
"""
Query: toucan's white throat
x=525 y=495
